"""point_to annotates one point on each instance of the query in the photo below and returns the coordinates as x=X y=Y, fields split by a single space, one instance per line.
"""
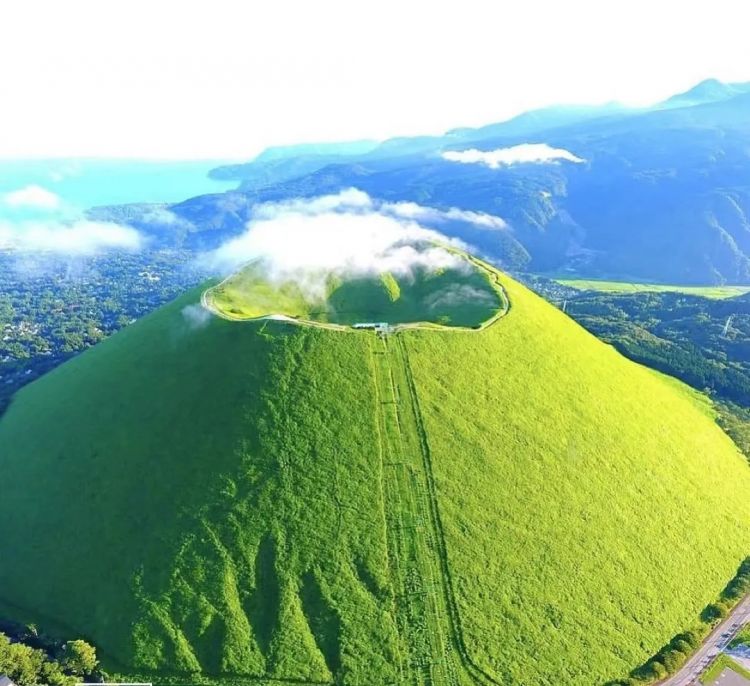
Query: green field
x=533 y=508
x=257 y=502
x=458 y=296
x=714 y=292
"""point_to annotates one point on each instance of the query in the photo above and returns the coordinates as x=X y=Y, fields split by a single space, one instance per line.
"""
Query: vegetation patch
x=735 y=420
x=201 y=471
x=563 y=578
x=702 y=341
x=324 y=621
x=716 y=292
x=263 y=604
x=741 y=639
x=29 y=657
x=675 y=653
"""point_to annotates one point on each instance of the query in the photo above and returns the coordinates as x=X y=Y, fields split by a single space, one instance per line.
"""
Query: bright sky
x=224 y=78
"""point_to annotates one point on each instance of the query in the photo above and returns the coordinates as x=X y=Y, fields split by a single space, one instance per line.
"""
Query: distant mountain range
x=659 y=193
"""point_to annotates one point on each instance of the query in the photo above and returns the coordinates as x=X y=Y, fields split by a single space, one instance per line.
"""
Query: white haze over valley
x=526 y=153
x=349 y=233
x=36 y=220
x=77 y=238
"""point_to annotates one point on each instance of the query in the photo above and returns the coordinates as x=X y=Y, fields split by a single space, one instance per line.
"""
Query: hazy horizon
x=171 y=81
x=218 y=160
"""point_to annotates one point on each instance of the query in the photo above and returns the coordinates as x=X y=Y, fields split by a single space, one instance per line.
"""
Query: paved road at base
x=716 y=642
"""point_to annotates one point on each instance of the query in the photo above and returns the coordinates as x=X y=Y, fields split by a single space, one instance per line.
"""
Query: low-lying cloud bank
x=353 y=200
x=81 y=237
x=536 y=153
x=351 y=233
x=196 y=316
x=36 y=220
x=411 y=210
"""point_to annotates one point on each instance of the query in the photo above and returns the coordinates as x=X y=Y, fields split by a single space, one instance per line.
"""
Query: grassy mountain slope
x=602 y=488
x=252 y=499
x=192 y=505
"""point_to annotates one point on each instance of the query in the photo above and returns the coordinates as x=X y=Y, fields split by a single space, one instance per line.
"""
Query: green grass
x=391 y=285
x=715 y=292
x=460 y=296
x=742 y=638
x=249 y=295
x=245 y=501
x=196 y=505
x=591 y=508
x=721 y=663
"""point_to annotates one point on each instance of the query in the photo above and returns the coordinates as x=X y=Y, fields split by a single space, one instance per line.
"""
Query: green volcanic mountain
x=266 y=502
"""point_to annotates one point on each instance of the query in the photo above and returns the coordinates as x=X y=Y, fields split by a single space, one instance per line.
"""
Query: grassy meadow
x=714 y=292
x=187 y=499
x=256 y=502
x=591 y=507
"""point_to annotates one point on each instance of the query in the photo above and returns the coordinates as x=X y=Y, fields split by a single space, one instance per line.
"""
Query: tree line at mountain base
x=675 y=653
x=31 y=658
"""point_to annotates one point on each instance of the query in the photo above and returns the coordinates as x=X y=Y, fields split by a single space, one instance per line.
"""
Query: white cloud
x=76 y=238
x=196 y=316
x=347 y=233
x=350 y=199
x=354 y=200
x=161 y=215
x=537 y=153
x=330 y=241
x=456 y=294
x=417 y=212
x=32 y=196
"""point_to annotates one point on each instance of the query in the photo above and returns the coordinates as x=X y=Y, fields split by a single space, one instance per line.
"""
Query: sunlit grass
x=592 y=508
x=207 y=501
x=715 y=292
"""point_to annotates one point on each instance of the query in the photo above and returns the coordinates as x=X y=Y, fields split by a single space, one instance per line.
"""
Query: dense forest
x=52 y=308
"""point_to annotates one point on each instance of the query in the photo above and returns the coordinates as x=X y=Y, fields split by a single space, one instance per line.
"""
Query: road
x=711 y=647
